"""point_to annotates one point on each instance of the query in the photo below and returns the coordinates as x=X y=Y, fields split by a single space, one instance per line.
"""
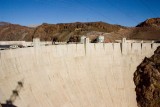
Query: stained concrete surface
x=74 y=75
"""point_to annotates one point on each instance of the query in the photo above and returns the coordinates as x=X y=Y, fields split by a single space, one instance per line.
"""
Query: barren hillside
x=147 y=30
x=13 y=32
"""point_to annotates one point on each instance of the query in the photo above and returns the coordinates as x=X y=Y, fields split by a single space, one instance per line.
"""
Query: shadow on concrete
x=8 y=105
x=15 y=94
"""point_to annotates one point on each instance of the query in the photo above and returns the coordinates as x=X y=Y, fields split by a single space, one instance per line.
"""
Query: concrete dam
x=72 y=75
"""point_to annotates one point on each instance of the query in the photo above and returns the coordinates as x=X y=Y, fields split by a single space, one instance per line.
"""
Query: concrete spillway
x=74 y=75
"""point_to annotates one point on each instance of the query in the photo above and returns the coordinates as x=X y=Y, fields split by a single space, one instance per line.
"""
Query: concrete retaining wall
x=73 y=75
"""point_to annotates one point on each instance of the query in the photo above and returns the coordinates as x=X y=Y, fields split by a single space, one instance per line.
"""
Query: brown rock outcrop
x=152 y=22
x=147 y=81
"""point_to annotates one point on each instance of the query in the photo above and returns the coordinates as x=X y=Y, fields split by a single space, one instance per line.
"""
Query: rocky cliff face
x=147 y=81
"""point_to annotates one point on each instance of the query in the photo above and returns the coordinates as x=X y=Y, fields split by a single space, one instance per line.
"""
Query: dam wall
x=24 y=43
x=73 y=75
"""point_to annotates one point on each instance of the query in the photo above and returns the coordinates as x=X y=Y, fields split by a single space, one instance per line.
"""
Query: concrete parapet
x=61 y=50
x=129 y=48
x=108 y=48
x=117 y=48
x=12 y=42
x=88 y=49
x=155 y=45
x=147 y=49
x=80 y=50
x=136 y=48
x=99 y=47
x=71 y=50
x=124 y=46
x=36 y=42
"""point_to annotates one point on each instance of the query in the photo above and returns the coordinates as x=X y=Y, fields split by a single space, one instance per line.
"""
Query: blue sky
x=123 y=12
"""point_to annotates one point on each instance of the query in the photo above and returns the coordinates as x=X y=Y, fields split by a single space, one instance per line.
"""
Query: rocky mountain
x=56 y=32
x=4 y=23
x=152 y=22
x=143 y=33
x=149 y=29
x=65 y=31
x=14 y=32
x=73 y=31
x=147 y=81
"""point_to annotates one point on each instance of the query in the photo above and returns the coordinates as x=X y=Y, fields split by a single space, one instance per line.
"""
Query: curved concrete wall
x=75 y=75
